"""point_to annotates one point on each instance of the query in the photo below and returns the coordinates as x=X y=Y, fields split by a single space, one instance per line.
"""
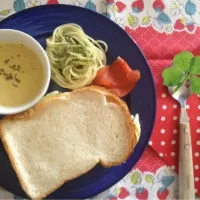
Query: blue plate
x=40 y=22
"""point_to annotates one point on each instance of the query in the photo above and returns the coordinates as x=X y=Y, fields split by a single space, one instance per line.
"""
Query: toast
x=66 y=135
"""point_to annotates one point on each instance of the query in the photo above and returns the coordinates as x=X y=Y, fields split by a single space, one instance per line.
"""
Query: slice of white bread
x=65 y=136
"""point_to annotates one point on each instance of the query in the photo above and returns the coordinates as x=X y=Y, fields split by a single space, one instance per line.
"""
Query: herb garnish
x=185 y=68
x=15 y=67
x=6 y=61
x=10 y=76
x=13 y=75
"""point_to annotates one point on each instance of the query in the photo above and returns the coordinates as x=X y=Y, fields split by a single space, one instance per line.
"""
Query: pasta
x=74 y=56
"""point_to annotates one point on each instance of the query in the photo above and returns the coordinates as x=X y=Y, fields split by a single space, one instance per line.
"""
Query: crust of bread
x=27 y=115
x=13 y=163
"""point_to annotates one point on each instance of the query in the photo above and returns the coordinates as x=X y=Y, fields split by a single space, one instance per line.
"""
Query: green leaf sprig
x=185 y=68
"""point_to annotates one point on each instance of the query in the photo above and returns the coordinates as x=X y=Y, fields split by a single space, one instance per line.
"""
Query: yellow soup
x=21 y=75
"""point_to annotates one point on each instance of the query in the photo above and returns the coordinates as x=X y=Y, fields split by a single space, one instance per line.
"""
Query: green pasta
x=75 y=57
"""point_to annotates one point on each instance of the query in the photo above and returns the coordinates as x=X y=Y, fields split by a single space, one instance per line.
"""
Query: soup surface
x=21 y=75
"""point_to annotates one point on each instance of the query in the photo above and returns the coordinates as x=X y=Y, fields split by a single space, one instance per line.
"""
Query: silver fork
x=186 y=173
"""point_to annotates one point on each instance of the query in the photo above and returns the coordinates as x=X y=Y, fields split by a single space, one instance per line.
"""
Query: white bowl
x=18 y=37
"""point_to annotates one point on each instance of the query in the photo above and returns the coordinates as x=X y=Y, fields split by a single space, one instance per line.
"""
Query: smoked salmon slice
x=118 y=77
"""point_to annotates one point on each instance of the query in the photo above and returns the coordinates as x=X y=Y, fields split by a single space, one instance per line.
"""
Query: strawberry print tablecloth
x=162 y=28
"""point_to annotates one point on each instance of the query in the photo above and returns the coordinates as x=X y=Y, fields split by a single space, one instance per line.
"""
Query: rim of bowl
x=7 y=110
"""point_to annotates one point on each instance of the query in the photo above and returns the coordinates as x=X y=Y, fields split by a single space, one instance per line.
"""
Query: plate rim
x=112 y=183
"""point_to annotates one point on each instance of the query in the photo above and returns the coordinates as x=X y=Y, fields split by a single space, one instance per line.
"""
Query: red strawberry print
x=120 y=6
x=158 y=5
x=123 y=193
x=190 y=27
x=110 y=1
x=179 y=25
x=162 y=193
x=142 y=193
x=138 y=6
x=52 y=2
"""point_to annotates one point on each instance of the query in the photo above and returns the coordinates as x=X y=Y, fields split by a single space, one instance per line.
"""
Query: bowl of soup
x=24 y=71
